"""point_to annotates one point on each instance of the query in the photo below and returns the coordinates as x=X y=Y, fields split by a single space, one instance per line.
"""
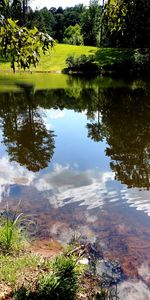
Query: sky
x=56 y=3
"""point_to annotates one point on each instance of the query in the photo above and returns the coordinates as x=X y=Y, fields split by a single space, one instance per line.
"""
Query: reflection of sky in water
x=65 y=185
x=72 y=145
x=78 y=176
x=79 y=172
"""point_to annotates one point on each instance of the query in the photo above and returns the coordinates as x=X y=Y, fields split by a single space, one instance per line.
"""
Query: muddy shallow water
x=78 y=159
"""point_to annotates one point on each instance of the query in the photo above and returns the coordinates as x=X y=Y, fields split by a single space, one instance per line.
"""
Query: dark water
x=78 y=158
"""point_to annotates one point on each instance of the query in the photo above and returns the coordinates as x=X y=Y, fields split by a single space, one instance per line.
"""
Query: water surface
x=77 y=156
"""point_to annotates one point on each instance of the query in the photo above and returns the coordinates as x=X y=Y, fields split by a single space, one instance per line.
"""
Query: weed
x=62 y=283
x=12 y=235
x=13 y=269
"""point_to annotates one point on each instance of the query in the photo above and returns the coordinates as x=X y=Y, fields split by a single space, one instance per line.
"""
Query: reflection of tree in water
x=125 y=123
x=95 y=130
x=25 y=135
x=119 y=115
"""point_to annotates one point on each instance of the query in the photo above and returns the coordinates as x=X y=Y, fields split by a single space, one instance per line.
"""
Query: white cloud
x=137 y=199
x=68 y=185
x=54 y=114
x=12 y=173
x=90 y=188
x=133 y=290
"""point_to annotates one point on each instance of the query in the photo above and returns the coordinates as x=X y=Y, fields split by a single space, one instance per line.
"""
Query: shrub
x=73 y=36
x=114 y=59
x=141 y=60
x=62 y=283
x=82 y=64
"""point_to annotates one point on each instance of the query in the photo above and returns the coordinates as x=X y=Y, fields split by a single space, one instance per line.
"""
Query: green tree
x=48 y=20
x=127 y=23
x=72 y=15
x=58 y=26
x=90 y=24
x=26 y=137
x=16 y=9
x=73 y=36
x=21 y=45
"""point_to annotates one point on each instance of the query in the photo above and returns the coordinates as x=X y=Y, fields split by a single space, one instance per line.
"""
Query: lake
x=76 y=154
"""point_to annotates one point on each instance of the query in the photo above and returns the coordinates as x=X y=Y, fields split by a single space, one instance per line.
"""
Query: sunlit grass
x=55 y=60
x=13 y=268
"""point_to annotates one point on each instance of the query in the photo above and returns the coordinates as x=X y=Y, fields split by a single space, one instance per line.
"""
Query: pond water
x=76 y=153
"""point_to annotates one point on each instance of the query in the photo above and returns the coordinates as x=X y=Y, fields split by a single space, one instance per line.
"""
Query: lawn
x=55 y=61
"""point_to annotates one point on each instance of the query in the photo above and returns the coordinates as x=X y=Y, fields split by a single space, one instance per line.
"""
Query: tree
x=73 y=36
x=48 y=20
x=127 y=23
x=16 y=9
x=72 y=15
x=58 y=27
x=128 y=138
x=26 y=138
x=21 y=45
x=90 y=24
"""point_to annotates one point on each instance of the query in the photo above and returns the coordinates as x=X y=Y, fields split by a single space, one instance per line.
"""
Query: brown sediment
x=123 y=235
x=46 y=248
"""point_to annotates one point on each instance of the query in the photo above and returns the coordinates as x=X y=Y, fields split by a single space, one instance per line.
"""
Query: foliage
x=73 y=36
x=112 y=59
x=73 y=15
x=61 y=282
x=13 y=267
x=22 y=46
x=141 y=60
x=115 y=21
x=12 y=237
x=82 y=64
x=127 y=23
x=57 y=60
x=90 y=24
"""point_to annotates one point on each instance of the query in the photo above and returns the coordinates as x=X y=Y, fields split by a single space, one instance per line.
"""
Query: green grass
x=12 y=234
x=55 y=61
x=110 y=56
x=13 y=269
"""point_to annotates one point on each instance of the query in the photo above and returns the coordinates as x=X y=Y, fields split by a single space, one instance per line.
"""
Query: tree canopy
x=20 y=45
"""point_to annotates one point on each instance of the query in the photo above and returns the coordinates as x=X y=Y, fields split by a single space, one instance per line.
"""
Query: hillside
x=55 y=61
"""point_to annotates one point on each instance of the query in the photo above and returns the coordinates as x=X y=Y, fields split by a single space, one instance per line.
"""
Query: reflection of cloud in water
x=65 y=185
x=52 y=114
x=69 y=185
x=12 y=173
x=133 y=290
x=136 y=290
x=91 y=188
x=138 y=199
x=64 y=233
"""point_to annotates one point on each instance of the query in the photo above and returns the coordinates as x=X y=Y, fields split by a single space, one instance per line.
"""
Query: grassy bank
x=86 y=59
x=56 y=60
x=26 y=275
